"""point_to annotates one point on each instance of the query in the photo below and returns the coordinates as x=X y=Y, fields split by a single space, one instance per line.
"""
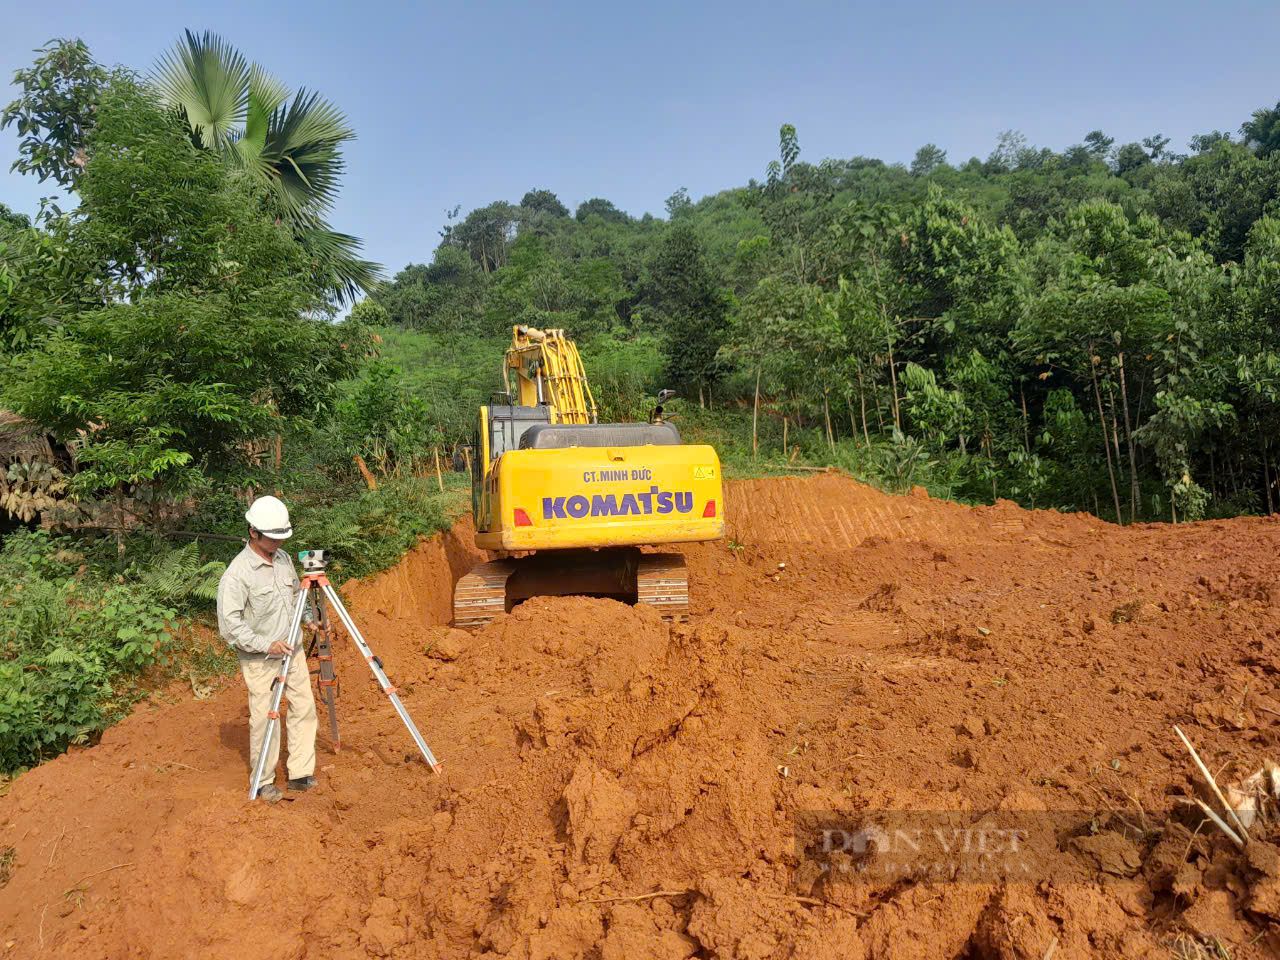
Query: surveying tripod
x=315 y=590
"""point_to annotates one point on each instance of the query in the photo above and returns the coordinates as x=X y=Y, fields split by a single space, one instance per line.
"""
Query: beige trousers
x=299 y=722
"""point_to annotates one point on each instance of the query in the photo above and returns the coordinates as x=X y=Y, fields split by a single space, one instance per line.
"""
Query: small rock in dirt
x=1132 y=612
x=1110 y=852
x=1214 y=915
x=1165 y=868
x=1264 y=898
x=974 y=726
x=966 y=758
x=447 y=643
x=599 y=811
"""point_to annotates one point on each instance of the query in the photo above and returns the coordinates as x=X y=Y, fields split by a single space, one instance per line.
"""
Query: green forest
x=1089 y=327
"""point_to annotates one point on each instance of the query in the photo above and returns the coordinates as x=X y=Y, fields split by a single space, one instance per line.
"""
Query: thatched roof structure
x=22 y=440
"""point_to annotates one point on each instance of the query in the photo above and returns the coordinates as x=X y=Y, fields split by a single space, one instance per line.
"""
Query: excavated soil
x=614 y=787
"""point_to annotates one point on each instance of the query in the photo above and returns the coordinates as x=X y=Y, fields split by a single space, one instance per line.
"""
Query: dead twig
x=1191 y=842
x=641 y=896
x=1053 y=946
x=1213 y=785
x=56 y=841
x=99 y=873
x=1220 y=822
x=175 y=763
x=814 y=901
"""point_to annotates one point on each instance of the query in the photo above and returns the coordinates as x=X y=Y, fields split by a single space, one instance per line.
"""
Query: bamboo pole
x=439 y=476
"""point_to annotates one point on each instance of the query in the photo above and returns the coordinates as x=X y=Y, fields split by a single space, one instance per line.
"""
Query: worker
x=257 y=596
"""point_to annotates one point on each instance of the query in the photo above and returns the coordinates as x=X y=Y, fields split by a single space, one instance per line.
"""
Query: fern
x=182 y=576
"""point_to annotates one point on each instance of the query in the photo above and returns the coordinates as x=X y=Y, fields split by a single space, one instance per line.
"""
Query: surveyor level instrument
x=315 y=590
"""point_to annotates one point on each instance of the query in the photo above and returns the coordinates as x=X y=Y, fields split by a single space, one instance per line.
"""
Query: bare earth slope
x=848 y=651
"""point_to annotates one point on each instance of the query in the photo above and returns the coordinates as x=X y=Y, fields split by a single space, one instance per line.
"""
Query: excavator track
x=482 y=594
x=663 y=582
x=655 y=579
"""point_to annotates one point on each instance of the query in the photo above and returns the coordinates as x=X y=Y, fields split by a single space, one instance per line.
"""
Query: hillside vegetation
x=1086 y=328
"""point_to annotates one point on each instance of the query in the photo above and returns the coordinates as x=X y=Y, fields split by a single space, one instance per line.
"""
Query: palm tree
x=237 y=109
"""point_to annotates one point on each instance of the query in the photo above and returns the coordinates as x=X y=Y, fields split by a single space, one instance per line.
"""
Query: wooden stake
x=1213 y=785
x=439 y=476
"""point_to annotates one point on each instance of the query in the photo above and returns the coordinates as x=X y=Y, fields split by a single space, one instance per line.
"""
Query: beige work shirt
x=256 y=600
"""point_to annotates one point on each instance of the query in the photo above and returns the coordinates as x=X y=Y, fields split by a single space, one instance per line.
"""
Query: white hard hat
x=270 y=517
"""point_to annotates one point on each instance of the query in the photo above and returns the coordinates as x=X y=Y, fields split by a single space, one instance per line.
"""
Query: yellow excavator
x=565 y=503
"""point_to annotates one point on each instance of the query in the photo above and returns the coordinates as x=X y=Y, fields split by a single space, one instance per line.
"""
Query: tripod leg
x=327 y=681
x=273 y=715
x=379 y=674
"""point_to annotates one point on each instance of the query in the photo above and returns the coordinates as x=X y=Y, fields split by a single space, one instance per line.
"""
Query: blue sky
x=467 y=103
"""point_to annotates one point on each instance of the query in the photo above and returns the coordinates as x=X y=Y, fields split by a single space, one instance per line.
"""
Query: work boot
x=270 y=793
x=302 y=784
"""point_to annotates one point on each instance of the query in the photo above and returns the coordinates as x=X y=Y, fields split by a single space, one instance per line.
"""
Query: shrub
x=66 y=642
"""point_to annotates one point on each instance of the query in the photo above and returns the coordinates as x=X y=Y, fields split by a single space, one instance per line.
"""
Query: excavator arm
x=549 y=371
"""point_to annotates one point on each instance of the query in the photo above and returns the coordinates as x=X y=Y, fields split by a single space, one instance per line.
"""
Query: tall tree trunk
x=1135 y=494
x=755 y=412
x=893 y=386
x=1267 y=474
x=879 y=415
x=1026 y=421
x=884 y=313
x=862 y=399
x=1106 y=445
x=785 y=424
x=826 y=412
x=986 y=441
x=1115 y=433
x=120 y=526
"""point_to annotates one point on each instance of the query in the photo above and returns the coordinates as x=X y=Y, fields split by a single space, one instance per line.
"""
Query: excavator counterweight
x=566 y=504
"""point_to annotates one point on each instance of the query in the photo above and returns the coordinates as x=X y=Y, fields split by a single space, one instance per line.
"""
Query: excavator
x=564 y=503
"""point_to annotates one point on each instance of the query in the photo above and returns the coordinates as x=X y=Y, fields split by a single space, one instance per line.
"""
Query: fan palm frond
x=208 y=80
x=303 y=150
x=337 y=262
x=265 y=95
x=293 y=146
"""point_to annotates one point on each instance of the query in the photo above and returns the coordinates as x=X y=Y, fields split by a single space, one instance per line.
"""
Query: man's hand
x=310 y=626
x=279 y=649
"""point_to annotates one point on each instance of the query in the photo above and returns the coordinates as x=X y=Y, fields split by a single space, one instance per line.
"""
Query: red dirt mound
x=613 y=787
